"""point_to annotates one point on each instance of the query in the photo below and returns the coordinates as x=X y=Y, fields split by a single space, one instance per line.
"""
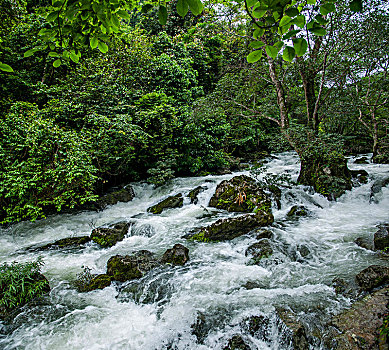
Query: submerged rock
x=364 y=242
x=376 y=188
x=297 y=211
x=259 y=250
x=381 y=237
x=129 y=267
x=240 y=194
x=109 y=236
x=360 y=175
x=69 y=242
x=194 y=194
x=360 y=325
x=264 y=234
x=298 y=334
x=372 y=277
x=230 y=228
x=176 y=201
x=178 y=255
x=236 y=343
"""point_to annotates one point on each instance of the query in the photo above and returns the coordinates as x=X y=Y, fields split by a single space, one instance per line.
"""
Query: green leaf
x=29 y=53
x=288 y=54
x=54 y=54
x=258 y=33
x=292 y=12
x=311 y=2
x=279 y=45
x=57 y=3
x=321 y=20
x=124 y=14
x=271 y=51
x=318 y=31
x=162 y=15
x=300 y=46
x=257 y=44
x=52 y=16
x=196 y=6
x=299 y=21
x=251 y=3
x=327 y=8
x=356 y=5
x=182 y=7
x=93 y=42
x=290 y=34
x=284 y=21
x=6 y=68
x=57 y=63
x=115 y=21
x=146 y=8
x=259 y=13
x=74 y=57
x=103 y=47
x=254 y=56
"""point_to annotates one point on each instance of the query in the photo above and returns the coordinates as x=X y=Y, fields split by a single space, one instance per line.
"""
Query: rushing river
x=160 y=311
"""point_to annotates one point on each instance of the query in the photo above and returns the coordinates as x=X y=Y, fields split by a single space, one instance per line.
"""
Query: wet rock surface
x=109 y=236
x=178 y=255
x=193 y=195
x=259 y=250
x=230 y=228
x=297 y=330
x=96 y=282
x=359 y=325
x=372 y=277
x=64 y=243
x=125 y=194
x=297 y=211
x=129 y=267
x=176 y=201
x=240 y=194
x=236 y=343
x=381 y=237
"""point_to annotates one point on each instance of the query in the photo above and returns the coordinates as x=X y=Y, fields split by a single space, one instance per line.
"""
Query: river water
x=219 y=286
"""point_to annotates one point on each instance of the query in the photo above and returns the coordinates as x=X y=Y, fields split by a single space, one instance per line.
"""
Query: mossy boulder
x=381 y=237
x=240 y=194
x=263 y=233
x=178 y=255
x=297 y=211
x=372 y=277
x=259 y=250
x=125 y=194
x=68 y=242
x=176 y=201
x=230 y=228
x=193 y=195
x=109 y=236
x=129 y=267
x=327 y=173
x=360 y=325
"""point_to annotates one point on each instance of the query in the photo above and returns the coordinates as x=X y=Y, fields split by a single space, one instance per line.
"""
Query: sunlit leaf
x=254 y=56
x=103 y=47
x=57 y=63
x=288 y=54
x=6 y=68
x=300 y=46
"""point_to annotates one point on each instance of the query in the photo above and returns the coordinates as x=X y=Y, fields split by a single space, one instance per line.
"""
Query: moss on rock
x=230 y=228
x=176 y=201
x=178 y=255
x=109 y=236
x=240 y=194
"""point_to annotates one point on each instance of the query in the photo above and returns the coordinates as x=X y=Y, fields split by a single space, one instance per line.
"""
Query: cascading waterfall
x=202 y=304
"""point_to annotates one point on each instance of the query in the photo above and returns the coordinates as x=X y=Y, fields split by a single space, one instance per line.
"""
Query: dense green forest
x=81 y=112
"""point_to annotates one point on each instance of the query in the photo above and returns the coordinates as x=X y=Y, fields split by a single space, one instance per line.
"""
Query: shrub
x=21 y=283
x=42 y=167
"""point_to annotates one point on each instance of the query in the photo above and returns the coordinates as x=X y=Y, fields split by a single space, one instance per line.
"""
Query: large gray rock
x=360 y=325
x=372 y=277
x=176 y=201
x=230 y=228
x=240 y=194
x=178 y=255
x=109 y=236
x=381 y=237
